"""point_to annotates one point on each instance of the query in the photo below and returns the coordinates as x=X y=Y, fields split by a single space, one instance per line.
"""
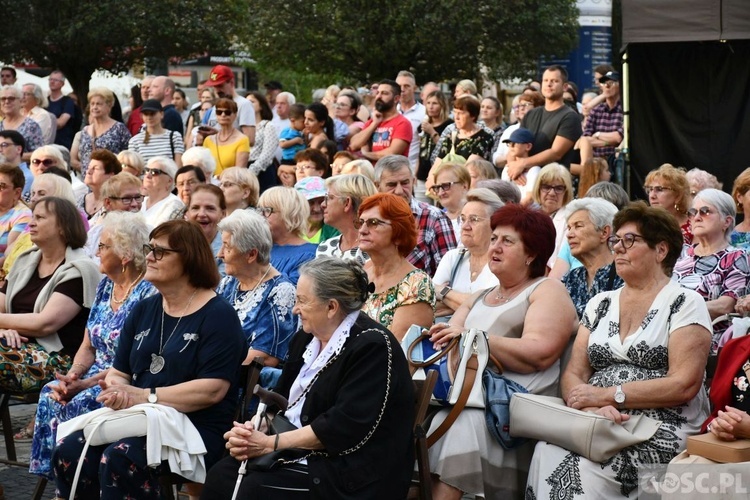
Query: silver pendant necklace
x=157 y=361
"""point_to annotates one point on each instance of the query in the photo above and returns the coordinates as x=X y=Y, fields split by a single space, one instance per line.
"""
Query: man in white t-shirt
x=222 y=79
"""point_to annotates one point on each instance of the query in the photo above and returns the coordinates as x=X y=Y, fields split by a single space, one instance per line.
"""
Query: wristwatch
x=619 y=396
x=152 y=396
x=442 y=293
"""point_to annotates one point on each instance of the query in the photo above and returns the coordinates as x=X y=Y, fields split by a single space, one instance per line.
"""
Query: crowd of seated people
x=153 y=275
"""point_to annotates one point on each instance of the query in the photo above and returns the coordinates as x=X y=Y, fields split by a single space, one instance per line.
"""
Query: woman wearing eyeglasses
x=181 y=349
x=403 y=295
x=451 y=183
x=14 y=214
x=13 y=119
x=711 y=266
x=160 y=205
x=240 y=187
x=640 y=350
x=155 y=140
x=469 y=139
x=120 y=193
x=668 y=187
x=229 y=146
x=463 y=271
x=286 y=210
x=122 y=262
x=552 y=191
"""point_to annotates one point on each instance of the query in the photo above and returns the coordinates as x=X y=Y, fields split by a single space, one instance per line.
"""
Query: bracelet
x=276 y=443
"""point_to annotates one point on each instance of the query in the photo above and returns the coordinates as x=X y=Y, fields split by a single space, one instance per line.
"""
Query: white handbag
x=111 y=427
x=459 y=366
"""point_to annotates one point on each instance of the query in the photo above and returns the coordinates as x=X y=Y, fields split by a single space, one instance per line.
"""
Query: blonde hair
x=362 y=167
x=676 y=179
x=460 y=171
x=60 y=187
x=104 y=93
x=132 y=159
x=553 y=171
x=741 y=186
x=290 y=204
x=246 y=180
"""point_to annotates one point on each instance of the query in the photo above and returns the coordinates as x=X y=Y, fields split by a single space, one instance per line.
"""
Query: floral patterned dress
x=721 y=274
x=103 y=329
x=413 y=288
x=114 y=139
x=644 y=355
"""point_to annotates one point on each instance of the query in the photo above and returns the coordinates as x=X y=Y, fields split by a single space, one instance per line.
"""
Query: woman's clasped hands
x=244 y=441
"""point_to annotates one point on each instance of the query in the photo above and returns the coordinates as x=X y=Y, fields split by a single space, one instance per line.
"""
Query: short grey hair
x=723 y=202
x=167 y=165
x=391 y=163
x=200 y=156
x=486 y=197
x=407 y=74
x=506 y=190
x=129 y=232
x=248 y=230
x=41 y=99
x=611 y=192
x=601 y=212
x=290 y=99
x=342 y=280
x=15 y=90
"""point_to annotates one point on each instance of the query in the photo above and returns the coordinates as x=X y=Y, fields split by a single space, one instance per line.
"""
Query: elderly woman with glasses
x=351 y=403
x=160 y=205
x=403 y=295
x=121 y=193
x=122 y=262
x=711 y=266
x=463 y=271
x=14 y=119
x=451 y=183
x=341 y=210
x=668 y=187
x=189 y=363
x=229 y=146
x=262 y=296
x=640 y=350
x=286 y=210
x=553 y=190
x=240 y=187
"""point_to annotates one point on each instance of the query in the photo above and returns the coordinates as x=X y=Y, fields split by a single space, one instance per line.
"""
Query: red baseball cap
x=220 y=75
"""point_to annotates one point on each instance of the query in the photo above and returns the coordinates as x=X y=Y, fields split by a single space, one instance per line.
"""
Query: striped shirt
x=158 y=145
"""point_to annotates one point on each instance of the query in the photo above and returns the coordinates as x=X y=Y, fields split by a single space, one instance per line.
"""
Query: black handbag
x=275 y=459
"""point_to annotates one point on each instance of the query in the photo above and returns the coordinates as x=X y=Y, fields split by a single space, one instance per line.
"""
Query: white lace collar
x=314 y=358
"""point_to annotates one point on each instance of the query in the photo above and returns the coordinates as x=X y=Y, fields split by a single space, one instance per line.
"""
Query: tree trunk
x=79 y=76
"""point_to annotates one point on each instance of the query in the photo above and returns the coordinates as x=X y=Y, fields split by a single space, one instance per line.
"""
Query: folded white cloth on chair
x=171 y=436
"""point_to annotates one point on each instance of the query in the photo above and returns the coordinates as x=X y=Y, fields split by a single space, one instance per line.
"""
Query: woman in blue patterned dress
x=123 y=263
x=262 y=296
x=589 y=223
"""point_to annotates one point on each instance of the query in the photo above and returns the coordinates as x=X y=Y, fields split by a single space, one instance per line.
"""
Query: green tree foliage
x=81 y=36
x=441 y=39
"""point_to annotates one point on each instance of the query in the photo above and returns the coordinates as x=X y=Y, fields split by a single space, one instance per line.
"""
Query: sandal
x=24 y=435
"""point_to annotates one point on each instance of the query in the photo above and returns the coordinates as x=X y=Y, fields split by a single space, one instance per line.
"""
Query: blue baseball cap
x=521 y=136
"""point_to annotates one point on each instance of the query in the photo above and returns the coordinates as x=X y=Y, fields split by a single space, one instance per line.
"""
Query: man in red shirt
x=387 y=132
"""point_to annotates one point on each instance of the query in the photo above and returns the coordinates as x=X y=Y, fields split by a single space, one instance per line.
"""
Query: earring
x=123 y=269
x=528 y=262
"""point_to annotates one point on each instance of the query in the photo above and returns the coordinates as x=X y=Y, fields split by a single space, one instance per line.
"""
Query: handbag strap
x=454 y=271
x=611 y=277
x=420 y=364
x=471 y=374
